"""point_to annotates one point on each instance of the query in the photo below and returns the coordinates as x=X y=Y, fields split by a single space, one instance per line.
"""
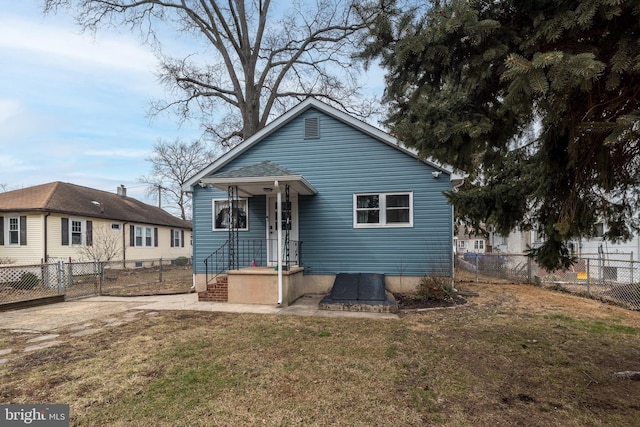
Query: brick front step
x=216 y=291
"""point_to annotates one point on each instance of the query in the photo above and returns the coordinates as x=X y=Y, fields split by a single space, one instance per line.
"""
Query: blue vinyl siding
x=344 y=161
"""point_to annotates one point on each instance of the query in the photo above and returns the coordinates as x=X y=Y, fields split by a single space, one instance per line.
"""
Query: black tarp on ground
x=358 y=287
x=359 y=292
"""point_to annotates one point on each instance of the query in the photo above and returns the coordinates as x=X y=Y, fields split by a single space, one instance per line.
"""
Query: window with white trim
x=462 y=244
x=14 y=231
x=238 y=214
x=177 y=240
x=478 y=245
x=144 y=237
x=598 y=229
x=76 y=232
x=383 y=210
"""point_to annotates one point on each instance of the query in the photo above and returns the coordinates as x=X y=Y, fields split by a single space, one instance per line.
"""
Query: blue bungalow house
x=314 y=194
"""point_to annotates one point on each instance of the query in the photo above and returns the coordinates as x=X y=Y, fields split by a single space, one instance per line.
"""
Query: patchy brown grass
x=514 y=355
x=139 y=282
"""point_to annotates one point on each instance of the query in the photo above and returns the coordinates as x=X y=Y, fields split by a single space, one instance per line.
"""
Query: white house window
x=148 y=240
x=76 y=232
x=138 y=236
x=598 y=230
x=14 y=231
x=143 y=237
x=478 y=245
x=221 y=214
x=462 y=244
x=176 y=239
x=383 y=210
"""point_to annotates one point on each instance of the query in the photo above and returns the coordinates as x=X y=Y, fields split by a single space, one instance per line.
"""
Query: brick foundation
x=218 y=291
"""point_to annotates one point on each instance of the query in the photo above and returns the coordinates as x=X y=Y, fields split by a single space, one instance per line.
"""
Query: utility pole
x=160 y=188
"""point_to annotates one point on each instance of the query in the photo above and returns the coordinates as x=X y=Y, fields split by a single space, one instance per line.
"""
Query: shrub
x=181 y=261
x=28 y=281
x=434 y=287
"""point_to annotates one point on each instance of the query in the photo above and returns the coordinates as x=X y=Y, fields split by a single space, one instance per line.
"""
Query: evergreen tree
x=538 y=100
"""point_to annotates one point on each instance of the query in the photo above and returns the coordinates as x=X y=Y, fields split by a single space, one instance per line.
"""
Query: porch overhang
x=260 y=179
x=256 y=186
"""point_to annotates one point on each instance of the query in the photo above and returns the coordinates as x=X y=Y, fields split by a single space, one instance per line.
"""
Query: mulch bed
x=412 y=301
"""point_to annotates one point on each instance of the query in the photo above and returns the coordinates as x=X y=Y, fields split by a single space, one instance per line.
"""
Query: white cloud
x=61 y=44
x=10 y=164
x=9 y=108
x=119 y=152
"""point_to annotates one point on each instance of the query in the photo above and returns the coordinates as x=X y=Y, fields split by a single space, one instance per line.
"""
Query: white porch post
x=279 y=244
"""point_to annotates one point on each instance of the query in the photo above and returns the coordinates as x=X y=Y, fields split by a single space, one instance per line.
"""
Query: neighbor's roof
x=295 y=112
x=71 y=199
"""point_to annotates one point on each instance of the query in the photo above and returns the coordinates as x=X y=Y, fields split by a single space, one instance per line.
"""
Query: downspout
x=279 y=244
x=453 y=225
x=124 y=244
x=46 y=257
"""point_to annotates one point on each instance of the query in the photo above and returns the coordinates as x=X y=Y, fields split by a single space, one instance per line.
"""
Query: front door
x=272 y=231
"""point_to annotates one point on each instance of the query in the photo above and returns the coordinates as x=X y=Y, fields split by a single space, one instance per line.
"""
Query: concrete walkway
x=46 y=326
x=55 y=316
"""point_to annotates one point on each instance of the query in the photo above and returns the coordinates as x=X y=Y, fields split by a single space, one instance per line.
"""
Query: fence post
x=476 y=257
x=529 y=270
x=60 y=276
x=101 y=267
x=588 y=278
x=70 y=278
x=160 y=278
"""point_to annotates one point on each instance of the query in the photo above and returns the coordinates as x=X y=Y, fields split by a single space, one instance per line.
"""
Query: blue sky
x=73 y=107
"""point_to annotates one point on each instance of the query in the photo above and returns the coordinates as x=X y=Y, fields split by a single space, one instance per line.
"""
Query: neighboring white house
x=518 y=242
x=466 y=241
x=597 y=246
x=57 y=220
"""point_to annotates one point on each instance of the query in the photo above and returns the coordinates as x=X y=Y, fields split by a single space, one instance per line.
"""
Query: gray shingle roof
x=262 y=169
x=71 y=199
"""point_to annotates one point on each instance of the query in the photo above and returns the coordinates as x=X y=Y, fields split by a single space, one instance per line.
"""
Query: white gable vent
x=311 y=127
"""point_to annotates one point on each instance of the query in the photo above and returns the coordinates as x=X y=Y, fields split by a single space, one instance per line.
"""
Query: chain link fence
x=611 y=279
x=485 y=267
x=19 y=283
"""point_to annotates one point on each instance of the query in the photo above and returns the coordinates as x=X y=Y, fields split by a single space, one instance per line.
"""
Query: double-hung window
x=76 y=232
x=14 y=231
x=478 y=245
x=383 y=210
x=177 y=241
x=144 y=237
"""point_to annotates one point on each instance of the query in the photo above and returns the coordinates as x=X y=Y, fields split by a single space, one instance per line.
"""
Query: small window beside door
x=238 y=214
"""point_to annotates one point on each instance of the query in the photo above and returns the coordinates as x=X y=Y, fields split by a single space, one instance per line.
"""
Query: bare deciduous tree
x=265 y=57
x=106 y=245
x=172 y=164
